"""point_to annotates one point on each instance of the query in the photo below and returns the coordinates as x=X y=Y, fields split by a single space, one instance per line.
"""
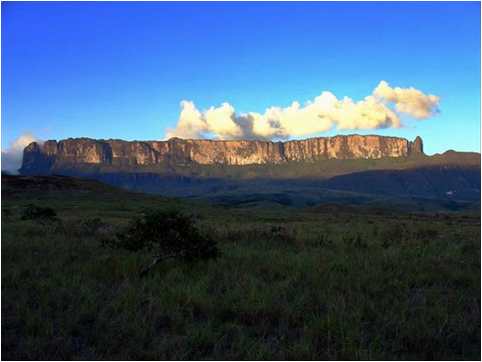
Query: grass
x=340 y=283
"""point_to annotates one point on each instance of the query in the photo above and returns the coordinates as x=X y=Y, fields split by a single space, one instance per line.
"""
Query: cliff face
x=70 y=152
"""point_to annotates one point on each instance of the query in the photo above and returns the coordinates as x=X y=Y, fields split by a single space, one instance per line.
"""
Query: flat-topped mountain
x=352 y=168
x=41 y=158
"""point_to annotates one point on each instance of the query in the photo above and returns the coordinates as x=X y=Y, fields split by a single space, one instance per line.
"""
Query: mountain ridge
x=176 y=151
x=353 y=173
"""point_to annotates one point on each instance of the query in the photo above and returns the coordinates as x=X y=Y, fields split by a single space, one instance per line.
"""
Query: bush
x=166 y=234
x=34 y=212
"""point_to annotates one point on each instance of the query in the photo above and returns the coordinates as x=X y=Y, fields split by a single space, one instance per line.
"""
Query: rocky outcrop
x=41 y=159
x=416 y=147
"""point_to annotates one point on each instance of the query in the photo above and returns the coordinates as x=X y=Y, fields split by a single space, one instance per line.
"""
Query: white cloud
x=408 y=100
x=381 y=109
x=12 y=156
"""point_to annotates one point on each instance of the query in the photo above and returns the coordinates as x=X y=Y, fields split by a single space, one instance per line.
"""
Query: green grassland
x=324 y=282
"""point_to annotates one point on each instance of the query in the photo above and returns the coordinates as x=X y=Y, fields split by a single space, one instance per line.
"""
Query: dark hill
x=450 y=182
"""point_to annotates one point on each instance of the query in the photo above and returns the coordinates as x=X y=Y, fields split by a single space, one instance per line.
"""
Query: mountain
x=302 y=172
x=177 y=151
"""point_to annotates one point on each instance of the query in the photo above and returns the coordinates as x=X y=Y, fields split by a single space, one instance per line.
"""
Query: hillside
x=328 y=282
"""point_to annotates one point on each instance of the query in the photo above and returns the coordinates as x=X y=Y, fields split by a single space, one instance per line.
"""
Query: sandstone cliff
x=70 y=152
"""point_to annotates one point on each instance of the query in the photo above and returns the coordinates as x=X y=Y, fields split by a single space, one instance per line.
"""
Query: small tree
x=34 y=212
x=166 y=234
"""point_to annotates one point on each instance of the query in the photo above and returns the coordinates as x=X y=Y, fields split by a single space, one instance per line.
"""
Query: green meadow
x=324 y=282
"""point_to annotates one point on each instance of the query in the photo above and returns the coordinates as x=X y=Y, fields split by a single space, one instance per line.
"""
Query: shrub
x=34 y=212
x=166 y=234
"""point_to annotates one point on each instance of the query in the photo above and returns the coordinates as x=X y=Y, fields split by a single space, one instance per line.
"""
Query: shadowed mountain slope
x=348 y=169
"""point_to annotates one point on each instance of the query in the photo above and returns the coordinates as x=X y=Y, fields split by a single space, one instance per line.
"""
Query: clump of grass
x=355 y=240
x=280 y=235
x=425 y=233
x=391 y=234
x=91 y=226
x=323 y=240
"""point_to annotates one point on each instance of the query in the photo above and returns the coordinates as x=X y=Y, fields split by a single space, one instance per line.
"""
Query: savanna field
x=324 y=282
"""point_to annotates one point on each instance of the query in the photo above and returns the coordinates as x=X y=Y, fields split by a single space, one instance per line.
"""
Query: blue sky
x=120 y=70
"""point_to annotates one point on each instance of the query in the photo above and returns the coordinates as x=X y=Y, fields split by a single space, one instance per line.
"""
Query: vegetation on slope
x=317 y=169
x=329 y=282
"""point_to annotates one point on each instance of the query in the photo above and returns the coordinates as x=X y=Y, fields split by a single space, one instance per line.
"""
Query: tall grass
x=289 y=284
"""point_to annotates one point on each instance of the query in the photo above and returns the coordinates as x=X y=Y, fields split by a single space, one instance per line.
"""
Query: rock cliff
x=117 y=153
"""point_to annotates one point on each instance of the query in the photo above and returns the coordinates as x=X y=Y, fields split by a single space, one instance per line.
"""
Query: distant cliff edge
x=74 y=151
x=303 y=172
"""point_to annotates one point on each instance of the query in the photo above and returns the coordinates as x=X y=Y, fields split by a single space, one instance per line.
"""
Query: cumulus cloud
x=381 y=109
x=12 y=156
x=408 y=100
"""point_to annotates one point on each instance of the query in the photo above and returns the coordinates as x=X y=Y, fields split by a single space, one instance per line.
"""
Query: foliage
x=166 y=234
x=34 y=212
